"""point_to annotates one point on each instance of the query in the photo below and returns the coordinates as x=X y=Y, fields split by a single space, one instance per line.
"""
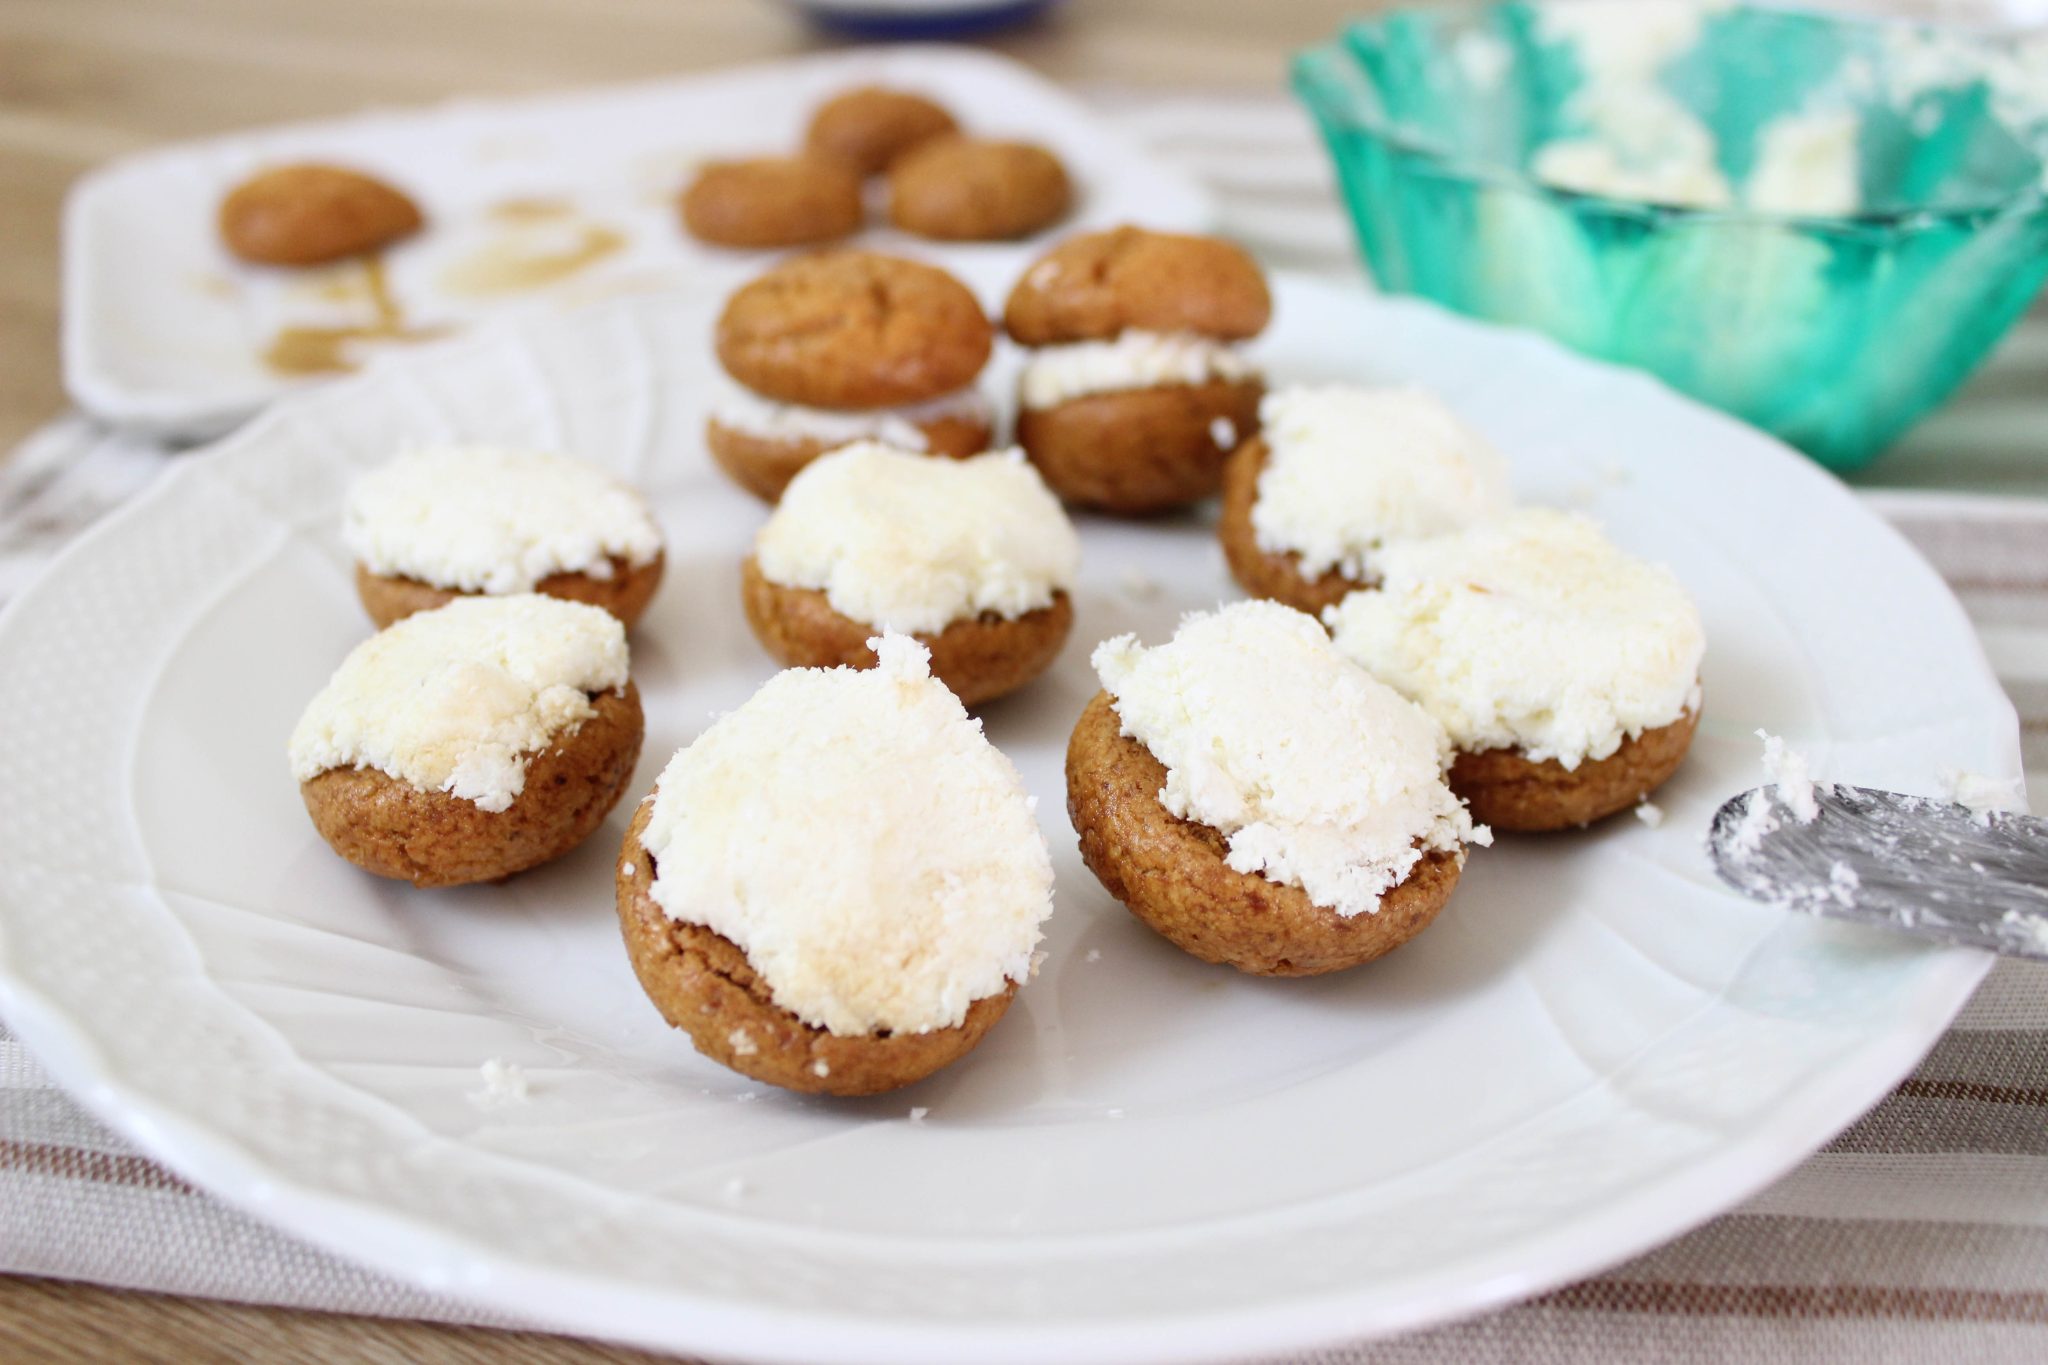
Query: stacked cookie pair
x=940 y=182
x=491 y=724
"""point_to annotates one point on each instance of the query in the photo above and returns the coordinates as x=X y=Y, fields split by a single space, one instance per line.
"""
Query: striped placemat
x=1921 y=1232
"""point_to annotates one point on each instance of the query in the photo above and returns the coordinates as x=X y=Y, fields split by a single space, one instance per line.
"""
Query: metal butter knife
x=1912 y=863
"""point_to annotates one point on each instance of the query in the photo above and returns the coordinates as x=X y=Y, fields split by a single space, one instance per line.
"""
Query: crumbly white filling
x=1530 y=631
x=1791 y=778
x=908 y=543
x=460 y=698
x=1133 y=360
x=1317 y=775
x=1349 y=469
x=747 y=412
x=862 y=842
x=485 y=519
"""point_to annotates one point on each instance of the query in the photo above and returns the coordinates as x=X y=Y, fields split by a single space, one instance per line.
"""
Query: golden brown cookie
x=1099 y=284
x=1140 y=451
x=979 y=659
x=311 y=214
x=765 y=465
x=1506 y=790
x=773 y=201
x=962 y=189
x=870 y=127
x=703 y=984
x=854 y=329
x=1172 y=874
x=390 y=827
x=393 y=597
x=1266 y=573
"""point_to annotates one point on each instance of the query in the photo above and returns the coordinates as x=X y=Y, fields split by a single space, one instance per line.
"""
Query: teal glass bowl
x=1834 y=332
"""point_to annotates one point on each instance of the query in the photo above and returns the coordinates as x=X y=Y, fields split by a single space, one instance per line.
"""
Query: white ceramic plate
x=1594 y=1048
x=165 y=332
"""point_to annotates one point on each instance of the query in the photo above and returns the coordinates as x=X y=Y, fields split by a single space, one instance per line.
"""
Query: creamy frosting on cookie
x=1317 y=775
x=1349 y=469
x=484 y=519
x=460 y=698
x=744 y=411
x=862 y=842
x=1530 y=631
x=908 y=543
x=1133 y=360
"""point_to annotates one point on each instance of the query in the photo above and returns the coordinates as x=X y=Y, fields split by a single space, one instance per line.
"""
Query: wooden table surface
x=84 y=80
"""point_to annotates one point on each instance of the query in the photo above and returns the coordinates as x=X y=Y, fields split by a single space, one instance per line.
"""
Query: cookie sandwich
x=473 y=741
x=314 y=214
x=1337 y=472
x=1259 y=800
x=441 y=522
x=1134 y=391
x=839 y=886
x=1565 y=670
x=974 y=558
x=847 y=346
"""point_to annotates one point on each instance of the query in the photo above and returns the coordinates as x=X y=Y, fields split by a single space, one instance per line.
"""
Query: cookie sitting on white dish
x=1336 y=473
x=471 y=741
x=441 y=522
x=1260 y=800
x=973 y=557
x=1565 y=670
x=839 y=886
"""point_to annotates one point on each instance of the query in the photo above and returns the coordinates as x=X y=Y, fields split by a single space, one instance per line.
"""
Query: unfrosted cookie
x=763 y=444
x=312 y=214
x=470 y=742
x=1135 y=391
x=1259 y=800
x=973 y=558
x=1337 y=473
x=1097 y=285
x=771 y=201
x=854 y=329
x=1565 y=670
x=869 y=127
x=839 y=886
x=974 y=190
x=441 y=522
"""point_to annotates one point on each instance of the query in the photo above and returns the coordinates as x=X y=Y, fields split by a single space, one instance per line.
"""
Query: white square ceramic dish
x=165 y=332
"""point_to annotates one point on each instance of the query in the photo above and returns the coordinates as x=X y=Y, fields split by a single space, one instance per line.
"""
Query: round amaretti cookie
x=974 y=558
x=471 y=742
x=312 y=214
x=869 y=127
x=1336 y=473
x=771 y=201
x=442 y=522
x=963 y=189
x=1130 y=279
x=1259 y=800
x=838 y=887
x=1565 y=670
x=854 y=329
x=1136 y=393
x=762 y=444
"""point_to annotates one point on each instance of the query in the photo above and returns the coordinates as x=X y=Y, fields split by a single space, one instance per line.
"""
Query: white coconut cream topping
x=854 y=833
x=460 y=698
x=907 y=543
x=1530 y=631
x=485 y=519
x=1317 y=775
x=1349 y=469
